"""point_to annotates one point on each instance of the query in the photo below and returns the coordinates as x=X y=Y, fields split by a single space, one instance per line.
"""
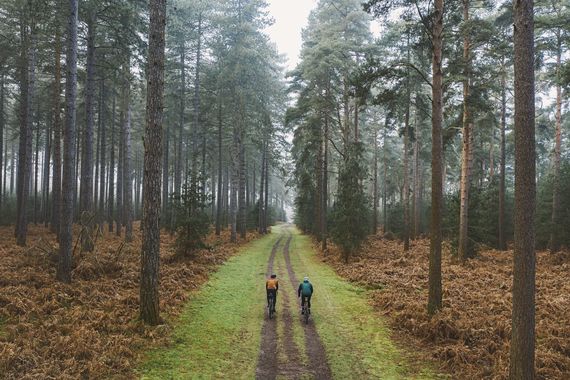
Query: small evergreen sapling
x=192 y=220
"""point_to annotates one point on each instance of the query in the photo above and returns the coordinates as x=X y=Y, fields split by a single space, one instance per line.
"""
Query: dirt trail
x=292 y=367
x=318 y=365
x=267 y=362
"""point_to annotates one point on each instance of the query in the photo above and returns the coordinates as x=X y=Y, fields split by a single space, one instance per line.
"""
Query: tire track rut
x=318 y=365
x=268 y=366
x=267 y=362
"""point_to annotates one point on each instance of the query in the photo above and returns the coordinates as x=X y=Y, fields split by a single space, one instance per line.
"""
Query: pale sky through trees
x=290 y=17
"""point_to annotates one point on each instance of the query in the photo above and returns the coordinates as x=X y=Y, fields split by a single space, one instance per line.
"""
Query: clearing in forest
x=224 y=331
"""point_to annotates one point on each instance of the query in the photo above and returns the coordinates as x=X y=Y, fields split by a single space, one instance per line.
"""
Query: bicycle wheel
x=271 y=307
x=306 y=315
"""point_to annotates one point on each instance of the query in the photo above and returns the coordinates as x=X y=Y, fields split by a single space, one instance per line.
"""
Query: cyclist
x=305 y=292
x=271 y=287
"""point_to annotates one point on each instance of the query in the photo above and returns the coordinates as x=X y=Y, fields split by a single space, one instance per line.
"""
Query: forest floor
x=224 y=331
x=89 y=329
x=470 y=336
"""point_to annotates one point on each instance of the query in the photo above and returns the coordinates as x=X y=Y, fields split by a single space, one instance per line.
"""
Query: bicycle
x=305 y=311
x=271 y=306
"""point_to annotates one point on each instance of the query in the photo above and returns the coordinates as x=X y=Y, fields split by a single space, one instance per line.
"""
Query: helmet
x=306 y=279
x=273 y=275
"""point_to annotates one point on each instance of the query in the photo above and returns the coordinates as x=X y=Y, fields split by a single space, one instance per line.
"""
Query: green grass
x=218 y=333
x=356 y=340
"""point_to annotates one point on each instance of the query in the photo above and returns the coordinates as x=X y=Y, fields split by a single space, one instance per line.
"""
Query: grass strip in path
x=357 y=341
x=218 y=333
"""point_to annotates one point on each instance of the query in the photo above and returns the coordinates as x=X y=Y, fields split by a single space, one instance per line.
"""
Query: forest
x=411 y=162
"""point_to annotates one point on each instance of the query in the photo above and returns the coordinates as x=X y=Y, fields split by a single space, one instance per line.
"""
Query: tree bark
x=375 y=186
x=86 y=188
x=182 y=110
x=119 y=217
x=234 y=184
x=555 y=226
x=242 y=188
x=197 y=99
x=2 y=123
x=111 y=196
x=435 y=288
x=406 y=173
x=261 y=187
x=266 y=197
x=325 y=179
x=28 y=67
x=149 y=296
x=127 y=173
x=219 y=202
x=66 y=234
x=165 y=171
x=36 y=171
x=467 y=142
x=502 y=237
x=103 y=147
x=385 y=179
x=524 y=263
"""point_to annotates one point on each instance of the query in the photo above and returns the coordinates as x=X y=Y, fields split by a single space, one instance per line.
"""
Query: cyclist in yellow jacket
x=271 y=287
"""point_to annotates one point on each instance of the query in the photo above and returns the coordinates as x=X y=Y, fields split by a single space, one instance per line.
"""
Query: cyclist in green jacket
x=305 y=292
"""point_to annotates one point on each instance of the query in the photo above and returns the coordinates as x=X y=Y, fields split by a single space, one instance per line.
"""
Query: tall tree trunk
x=385 y=179
x=502 y=237
x=555 y=226
x=127 y=173
x=375 y=186
x=226 y=197
x=262 y=188
x=325 y=179
x=435 y=289
x=149 y=301
x=28 y=68
x=417 y=188
x=182 y=110
x=45 y=176
x=524 y=263
x=197 y=100
x=102 y=121
x=12 y=168
x=242 y=189
x=86 y=189
x=97 y=167
x=234 y=184
x=66 y=234
x=318 y=170
x=5 y=170
x=407 y=157
x=2 y=122
x=120 y=215
x=165 y=170
x=463 y=249
x=76 y=182
x=111 y=192
x=219 y=202
x=36 y=171
x=137 y=185
x=266 y=197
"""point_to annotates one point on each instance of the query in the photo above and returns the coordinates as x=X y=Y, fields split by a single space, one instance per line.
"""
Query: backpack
x=306 y=289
